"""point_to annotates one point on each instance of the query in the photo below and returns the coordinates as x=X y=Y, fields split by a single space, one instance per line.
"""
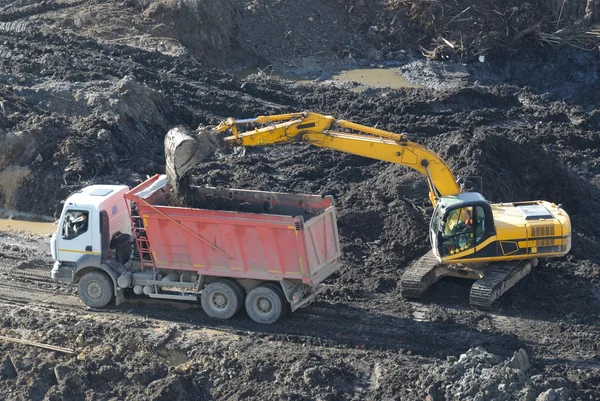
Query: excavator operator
x=468 y=220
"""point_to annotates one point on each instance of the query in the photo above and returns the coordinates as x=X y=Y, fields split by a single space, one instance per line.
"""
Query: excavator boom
x=317 y=129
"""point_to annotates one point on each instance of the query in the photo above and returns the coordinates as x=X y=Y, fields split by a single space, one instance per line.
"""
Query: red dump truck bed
x=277 y=236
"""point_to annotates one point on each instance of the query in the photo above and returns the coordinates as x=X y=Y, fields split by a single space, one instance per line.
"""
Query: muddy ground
x=89 y=89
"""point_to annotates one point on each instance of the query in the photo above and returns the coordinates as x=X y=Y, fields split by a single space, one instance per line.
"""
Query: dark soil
x=88 y=89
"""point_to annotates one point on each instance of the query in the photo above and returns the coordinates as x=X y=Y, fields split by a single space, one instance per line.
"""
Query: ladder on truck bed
x=147 y=262
x=142 y=243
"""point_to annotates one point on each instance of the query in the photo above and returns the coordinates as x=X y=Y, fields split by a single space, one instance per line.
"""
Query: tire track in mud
x=321 y=324
x=335 y=326
x=13 y=10
x=30 y=275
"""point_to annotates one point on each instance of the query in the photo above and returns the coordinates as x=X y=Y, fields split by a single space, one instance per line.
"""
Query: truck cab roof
x=95 y=195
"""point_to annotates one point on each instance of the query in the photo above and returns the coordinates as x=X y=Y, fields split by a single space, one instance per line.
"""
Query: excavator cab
x=460 y=223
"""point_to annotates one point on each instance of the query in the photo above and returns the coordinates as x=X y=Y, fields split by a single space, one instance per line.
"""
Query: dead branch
x=39 y=345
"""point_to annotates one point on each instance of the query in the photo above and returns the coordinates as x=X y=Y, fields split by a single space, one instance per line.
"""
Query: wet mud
x=88 y=89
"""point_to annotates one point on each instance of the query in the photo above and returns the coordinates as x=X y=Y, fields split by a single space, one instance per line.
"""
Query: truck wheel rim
x=263 y=305
x=218 y=300
x=94 y=290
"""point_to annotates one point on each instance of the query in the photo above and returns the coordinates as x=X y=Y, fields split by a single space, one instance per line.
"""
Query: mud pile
x=88 y=90
x=479 y=375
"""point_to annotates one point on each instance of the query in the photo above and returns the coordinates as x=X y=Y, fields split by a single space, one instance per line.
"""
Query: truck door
x=76 y=235
x=104 y=235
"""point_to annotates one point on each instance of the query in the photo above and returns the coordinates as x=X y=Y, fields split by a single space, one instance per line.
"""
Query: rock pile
x=478 y=375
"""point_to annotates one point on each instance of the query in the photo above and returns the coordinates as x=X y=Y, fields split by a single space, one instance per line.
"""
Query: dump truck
x=267 y=252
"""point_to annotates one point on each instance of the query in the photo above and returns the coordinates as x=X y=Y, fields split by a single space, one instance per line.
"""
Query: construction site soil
x=88 y=90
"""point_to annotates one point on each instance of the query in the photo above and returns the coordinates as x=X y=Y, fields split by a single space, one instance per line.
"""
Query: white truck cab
x=92 y=218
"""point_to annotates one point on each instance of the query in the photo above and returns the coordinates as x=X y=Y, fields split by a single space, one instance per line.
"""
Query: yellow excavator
x=495 y=244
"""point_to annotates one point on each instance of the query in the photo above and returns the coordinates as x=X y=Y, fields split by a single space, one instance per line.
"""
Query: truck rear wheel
x=239 y=291
x=265 y=304
x=220 y=299
x=95 y=289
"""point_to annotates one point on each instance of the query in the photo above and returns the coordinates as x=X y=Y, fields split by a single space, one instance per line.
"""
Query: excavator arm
x=317 y=130
x=183 y=151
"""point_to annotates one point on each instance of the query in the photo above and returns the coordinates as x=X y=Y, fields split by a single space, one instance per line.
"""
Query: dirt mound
x=88 y=89
x=479 y=375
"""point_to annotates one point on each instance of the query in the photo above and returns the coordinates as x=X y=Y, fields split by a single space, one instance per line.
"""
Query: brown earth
x=88 y=89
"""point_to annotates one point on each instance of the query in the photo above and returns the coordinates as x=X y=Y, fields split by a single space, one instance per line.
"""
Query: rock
x=175 y=387
x=563 y=394
x=520 y=361
x=110 y=373
x=61 y=371
x=39 y=158
x=104 y=135
x=548 y=395
x=431 y=390
x=527 y=394
x=8 y=368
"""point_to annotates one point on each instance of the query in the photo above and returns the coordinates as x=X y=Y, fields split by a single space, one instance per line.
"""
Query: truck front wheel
x=95 y=289
x=265 y=304
x=220 y=299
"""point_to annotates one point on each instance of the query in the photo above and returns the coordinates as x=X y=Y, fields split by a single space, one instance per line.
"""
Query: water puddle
x=388 y=77
x=376 y=77
x=31 y=227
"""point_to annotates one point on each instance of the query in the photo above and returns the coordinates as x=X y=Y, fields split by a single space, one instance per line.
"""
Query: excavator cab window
x=458 y=232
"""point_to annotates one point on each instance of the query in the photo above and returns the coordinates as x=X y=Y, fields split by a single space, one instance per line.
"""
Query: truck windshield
x=75 y=223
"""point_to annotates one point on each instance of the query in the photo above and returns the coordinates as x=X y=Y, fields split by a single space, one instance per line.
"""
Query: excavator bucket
x=183 y=150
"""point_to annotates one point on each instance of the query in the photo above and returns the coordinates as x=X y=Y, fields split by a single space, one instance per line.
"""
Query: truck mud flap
x=309 y=298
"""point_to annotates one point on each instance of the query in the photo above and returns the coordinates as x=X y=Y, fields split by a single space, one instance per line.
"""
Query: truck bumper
x=62 y=274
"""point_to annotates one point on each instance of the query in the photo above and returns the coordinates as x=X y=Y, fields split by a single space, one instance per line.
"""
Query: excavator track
x=498 y=278
x=419 y=276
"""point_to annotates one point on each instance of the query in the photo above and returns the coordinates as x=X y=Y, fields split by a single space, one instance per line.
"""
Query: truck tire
x=220 y=299
x=265 y=304
x=95 y=289
x=239 y=290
